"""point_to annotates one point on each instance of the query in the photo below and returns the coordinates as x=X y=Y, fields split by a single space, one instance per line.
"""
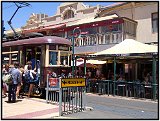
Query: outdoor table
x=108 y=85
x=129 y=89
x=138 y=90
x=92 y=85
x=121 y=84
x=148 y=91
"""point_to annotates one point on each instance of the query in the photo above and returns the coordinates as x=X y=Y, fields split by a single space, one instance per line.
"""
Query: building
x=99 y=27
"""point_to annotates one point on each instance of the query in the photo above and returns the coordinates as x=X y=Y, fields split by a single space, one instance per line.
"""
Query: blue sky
x=49 y=8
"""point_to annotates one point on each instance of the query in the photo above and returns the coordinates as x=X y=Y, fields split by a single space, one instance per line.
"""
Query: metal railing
x=69 y=99
x=133 y=89
x=72 y=100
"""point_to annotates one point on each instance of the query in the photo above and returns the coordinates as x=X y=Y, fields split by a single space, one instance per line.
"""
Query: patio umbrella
x=129 y=46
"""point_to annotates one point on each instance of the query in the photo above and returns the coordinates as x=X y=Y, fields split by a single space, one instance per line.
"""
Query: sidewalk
x=28 y=108
x=34 y=108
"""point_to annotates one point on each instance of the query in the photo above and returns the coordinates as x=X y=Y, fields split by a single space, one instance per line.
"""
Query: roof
x=93 y=19
x=38 y=40
x=44 y=28
x=129 y=46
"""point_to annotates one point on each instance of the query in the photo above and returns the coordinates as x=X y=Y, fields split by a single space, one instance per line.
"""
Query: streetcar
x=47 y=54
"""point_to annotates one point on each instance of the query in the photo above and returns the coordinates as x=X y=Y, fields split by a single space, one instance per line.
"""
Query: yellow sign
x=73 y=82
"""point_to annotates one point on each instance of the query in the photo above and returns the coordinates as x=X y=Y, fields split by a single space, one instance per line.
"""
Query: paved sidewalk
x=28 y=108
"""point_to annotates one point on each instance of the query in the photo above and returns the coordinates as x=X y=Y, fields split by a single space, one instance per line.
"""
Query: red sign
x=53 y=81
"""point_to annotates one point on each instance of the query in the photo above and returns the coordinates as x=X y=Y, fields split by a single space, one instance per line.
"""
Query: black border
x=83 y=1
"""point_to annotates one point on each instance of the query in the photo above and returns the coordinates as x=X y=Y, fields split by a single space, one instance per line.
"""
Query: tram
x=47 y=54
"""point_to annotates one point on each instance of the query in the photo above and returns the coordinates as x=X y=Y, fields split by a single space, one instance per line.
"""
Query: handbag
x=7 y=78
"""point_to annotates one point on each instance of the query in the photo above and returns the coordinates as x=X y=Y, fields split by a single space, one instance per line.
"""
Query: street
x=109 y=107
x=102 y=107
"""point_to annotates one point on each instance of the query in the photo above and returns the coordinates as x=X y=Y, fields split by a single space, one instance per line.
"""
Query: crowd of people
x=18 y=79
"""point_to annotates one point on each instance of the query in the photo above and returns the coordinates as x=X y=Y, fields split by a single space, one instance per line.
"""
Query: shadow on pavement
x=13 y=102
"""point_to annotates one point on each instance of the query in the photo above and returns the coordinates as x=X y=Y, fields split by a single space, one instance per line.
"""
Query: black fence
x=134 y=89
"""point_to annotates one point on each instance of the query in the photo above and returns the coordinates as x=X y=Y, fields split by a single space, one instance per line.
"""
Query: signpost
x=73 y=82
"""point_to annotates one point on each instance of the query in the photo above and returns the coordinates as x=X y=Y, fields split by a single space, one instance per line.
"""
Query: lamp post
x=114 y=86
x=73 y=56
x=154 y=77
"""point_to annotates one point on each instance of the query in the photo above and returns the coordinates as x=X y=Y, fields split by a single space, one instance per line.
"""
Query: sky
x=22 y=15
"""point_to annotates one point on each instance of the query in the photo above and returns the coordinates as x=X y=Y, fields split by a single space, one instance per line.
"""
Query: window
x=5 y=58
x=111 y=28
x=64 y=58
x=69 y=14
x=92 y=30
x=154 y=22
x=14 y=57
x=6 y=49
x=53 y=58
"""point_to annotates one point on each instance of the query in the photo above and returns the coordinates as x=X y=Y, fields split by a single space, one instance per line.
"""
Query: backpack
x=7 y=78
x=27 y=76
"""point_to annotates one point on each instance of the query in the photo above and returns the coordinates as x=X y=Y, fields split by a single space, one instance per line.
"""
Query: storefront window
x=53 y=58
x=92 y=30
x=69 y=34
x=111 y=28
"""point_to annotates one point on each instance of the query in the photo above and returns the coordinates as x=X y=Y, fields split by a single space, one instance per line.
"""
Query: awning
x=129 y=46
x=54 y=26
x=93 y=19
x=44 y=28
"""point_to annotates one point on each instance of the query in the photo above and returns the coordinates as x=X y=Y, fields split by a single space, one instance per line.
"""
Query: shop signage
x=73 y=82
x=53 y=82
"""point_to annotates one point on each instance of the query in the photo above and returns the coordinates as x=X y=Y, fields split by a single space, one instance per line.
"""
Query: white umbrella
x=129 y=46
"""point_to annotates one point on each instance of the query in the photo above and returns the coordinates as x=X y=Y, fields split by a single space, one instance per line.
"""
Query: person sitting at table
x=120 y=78
x=147 y=78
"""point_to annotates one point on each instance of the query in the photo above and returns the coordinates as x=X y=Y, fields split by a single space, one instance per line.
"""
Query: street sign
x=73 y=82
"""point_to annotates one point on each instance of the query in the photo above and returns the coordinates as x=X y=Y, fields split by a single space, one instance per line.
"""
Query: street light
x=73 y=56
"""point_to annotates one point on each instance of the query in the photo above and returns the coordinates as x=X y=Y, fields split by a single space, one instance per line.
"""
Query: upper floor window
x=69 y=14
x=154 y=22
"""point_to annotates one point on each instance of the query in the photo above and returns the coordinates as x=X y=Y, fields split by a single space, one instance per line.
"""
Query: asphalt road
x=105 y=107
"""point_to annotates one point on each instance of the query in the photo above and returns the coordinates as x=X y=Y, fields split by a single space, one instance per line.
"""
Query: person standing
x=13 y=86
x=5 y=71
x=31 y=82
x=19 y=85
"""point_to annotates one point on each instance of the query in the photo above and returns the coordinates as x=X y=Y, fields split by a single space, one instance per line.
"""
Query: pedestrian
x=25 y=82
x=19 y=85
x=98 y=73
x=26 y=66
x=31 y=82
x=15 y=80
x=5 y=71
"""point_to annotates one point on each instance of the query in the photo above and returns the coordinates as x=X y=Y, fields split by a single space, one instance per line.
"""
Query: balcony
x=99 y=39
